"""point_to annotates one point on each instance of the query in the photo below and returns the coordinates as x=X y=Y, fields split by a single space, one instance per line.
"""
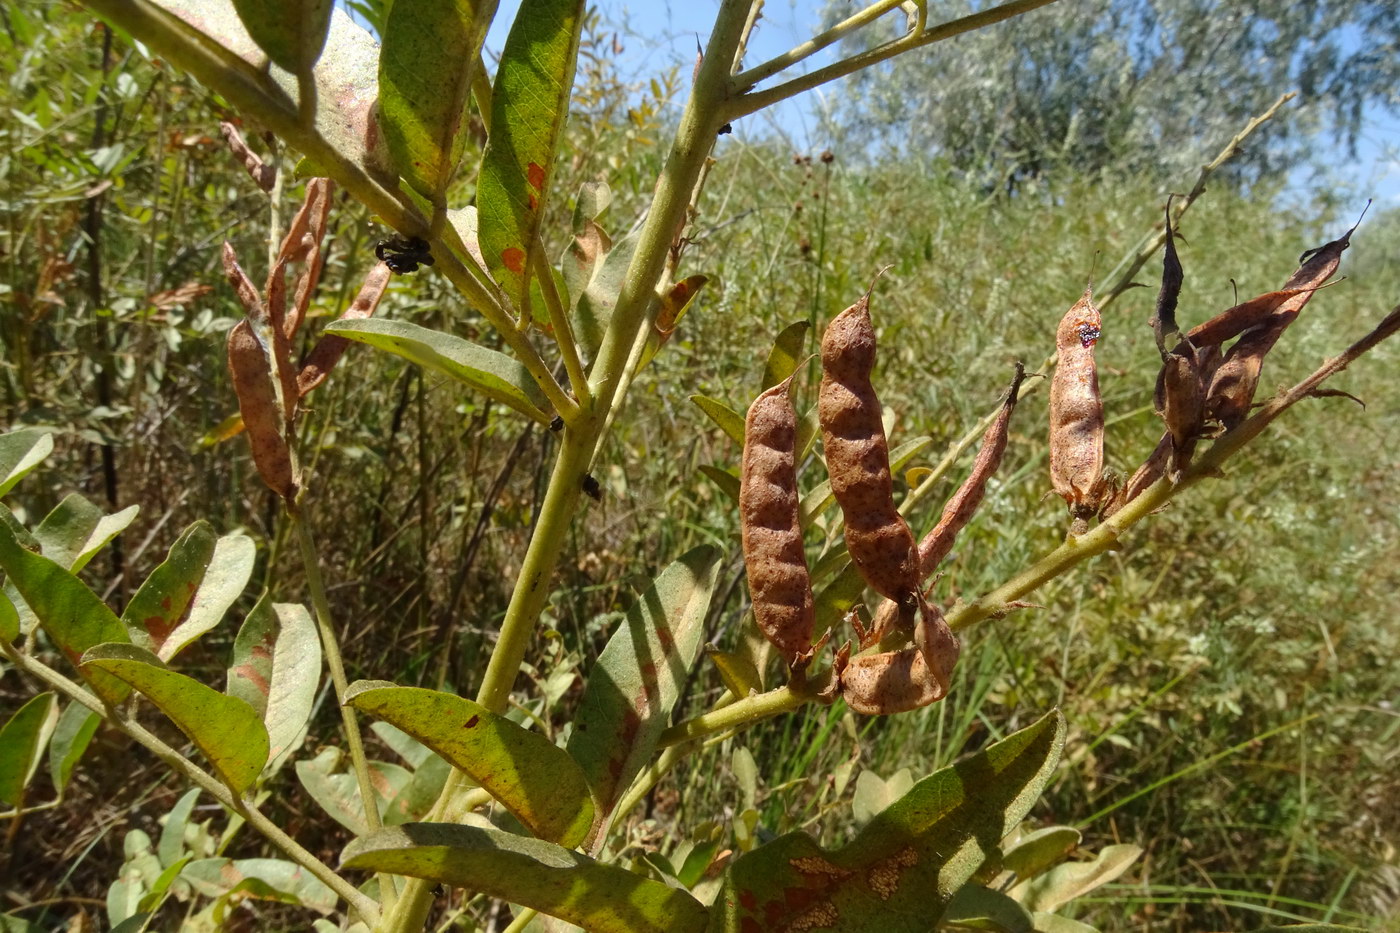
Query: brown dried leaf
x=329 y=349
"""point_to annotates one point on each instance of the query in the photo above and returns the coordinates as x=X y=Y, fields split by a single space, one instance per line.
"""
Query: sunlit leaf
x=529 y=102
x=338 y=792
x=730 y=421
x=22 y=741
x=76 y=530
x=530 y=872
x=276 y=670
x=599 y=296
x=431 y=52
x=493 y=373
x=531 y=776
x=20 y=452
x=1065 y=882
x=226 y=729
x=1037 y=851
x=70 y=613
x=786 y=353
x=286 y=882
x=171 y=847
x=638 y=678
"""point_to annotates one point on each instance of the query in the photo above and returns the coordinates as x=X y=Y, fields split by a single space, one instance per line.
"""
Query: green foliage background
x=1260 y=602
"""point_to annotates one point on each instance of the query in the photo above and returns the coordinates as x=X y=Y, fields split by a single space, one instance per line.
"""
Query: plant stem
x=754 y=101
x=362 y=904
x=321 y=605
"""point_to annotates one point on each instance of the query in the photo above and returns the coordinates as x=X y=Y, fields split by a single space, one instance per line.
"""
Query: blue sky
x=665 y=32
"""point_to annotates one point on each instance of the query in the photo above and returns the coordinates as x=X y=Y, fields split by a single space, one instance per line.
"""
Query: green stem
x=256 y=94
x=362 y=904
x=329 y=644
x=754 y=101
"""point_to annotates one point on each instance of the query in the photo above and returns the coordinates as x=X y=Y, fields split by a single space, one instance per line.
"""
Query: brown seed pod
x=913 y=677
x=1152 y=469
x=328 y=350
x=1232 y=322
x=1076 y=412
x=1179 y=401
x=963 y=505
x=858 y=459
x=779 y=580
x=1235 y=381
x=251 y=369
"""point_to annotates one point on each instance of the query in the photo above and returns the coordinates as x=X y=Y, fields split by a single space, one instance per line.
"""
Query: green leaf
x=404 y=745
x=495 y=374
x=432 y=49
x=904 y=866
x=1053 y=923
x=189 y=593
x=727 y=482
x=599 y=296
x=590 y=244
x=9 y=618
x=73 y=533
x=338 y=792
x=276 y=669
x=729 y=420
x=417 y=797
x=20 y=452
x=530 y=872
x=638 y=678
x=70 y=613
x=981 y=908
x=1037 y=851
x=76 y=726
x=529 y=102
x=786 y=353
x=171 y=848
x=532 y=777
x=1064 y=883
x=671 y=306
x=291 y=32
x=874 y=794
x=226 y=729
x=736 y=670
x=286 y=882
x=22 y=741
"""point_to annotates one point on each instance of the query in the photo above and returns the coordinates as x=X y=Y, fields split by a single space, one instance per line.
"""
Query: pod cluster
x=1203 y=388
x=880 y=543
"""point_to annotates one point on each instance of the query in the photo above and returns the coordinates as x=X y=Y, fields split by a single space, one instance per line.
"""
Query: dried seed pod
x=1232 y=322
x=264 y=328
x=779 y=580
x=1179 y=400
x=1152 y=469
x=858 y=459
x=263 y=416
x=1234 y=383
x=963 y=505
x=328 y=350
x=913 y=677
x=1076 y=412
x=264 y=175
x=1163 y=322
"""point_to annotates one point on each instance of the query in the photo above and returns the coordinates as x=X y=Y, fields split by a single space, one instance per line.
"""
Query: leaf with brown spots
x=638 y=679
x=528 y=774
x=276 y=669
x=528 y=108
x=904 y=866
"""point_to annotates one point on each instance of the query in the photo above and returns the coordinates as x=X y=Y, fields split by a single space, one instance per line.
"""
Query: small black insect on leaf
x=404 y=255
x=556 y=424
x=592 y=488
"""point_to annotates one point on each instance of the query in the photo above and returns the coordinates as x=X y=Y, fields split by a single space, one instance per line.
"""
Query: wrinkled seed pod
x=262 y=416
x=857 y=458
x=907 y=679
x=779 y=581
x=1076 y=411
